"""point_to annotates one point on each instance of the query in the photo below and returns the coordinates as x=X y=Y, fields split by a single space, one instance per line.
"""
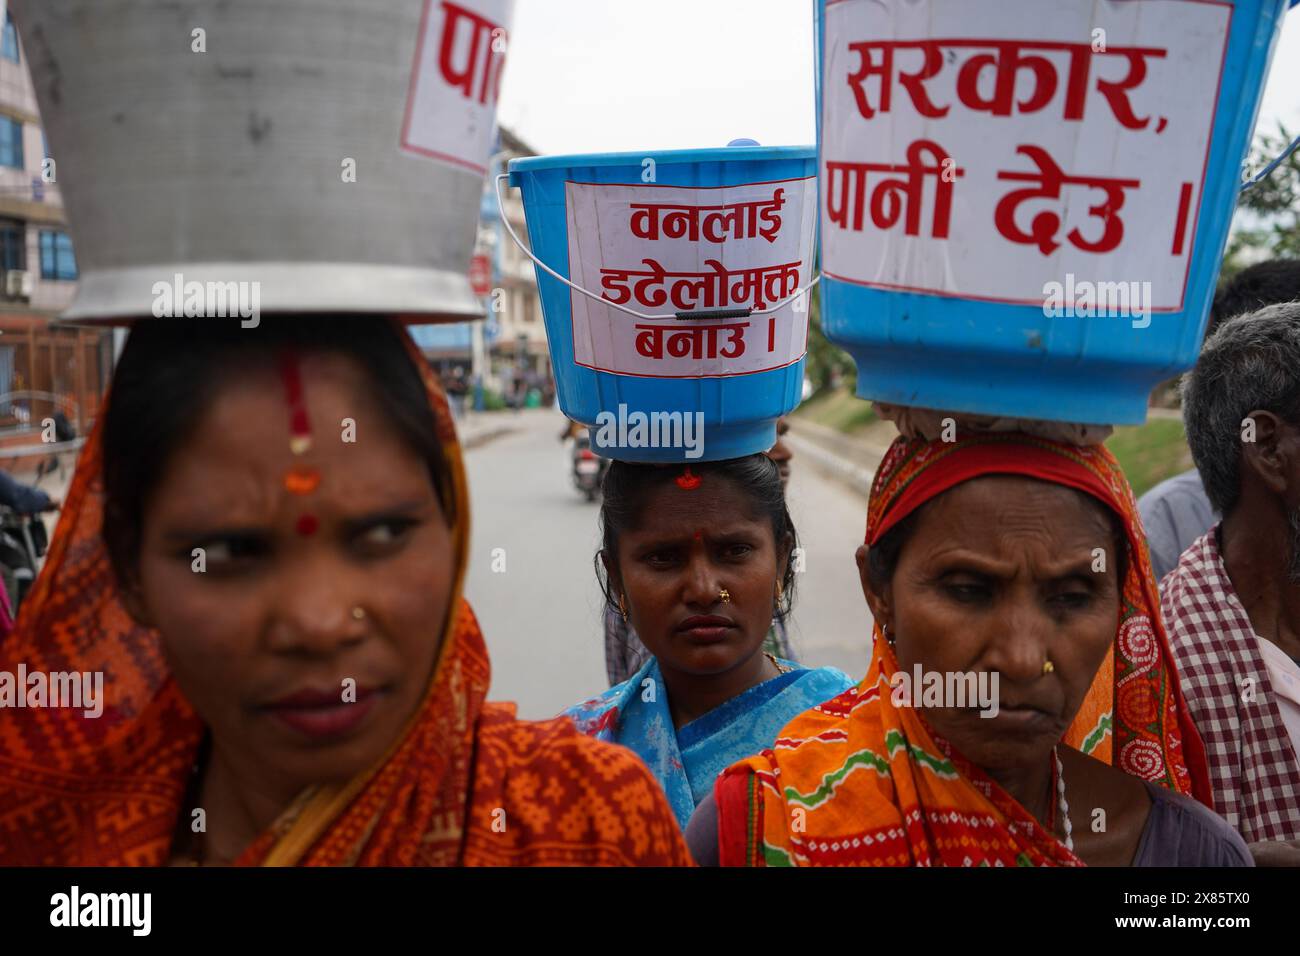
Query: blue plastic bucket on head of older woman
x=1024 y=205
x=673 y=290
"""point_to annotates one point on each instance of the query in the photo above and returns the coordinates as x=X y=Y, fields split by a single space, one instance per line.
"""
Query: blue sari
x=686 y=761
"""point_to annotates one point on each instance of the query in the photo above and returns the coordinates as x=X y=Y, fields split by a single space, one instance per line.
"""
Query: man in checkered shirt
x=1232 y=605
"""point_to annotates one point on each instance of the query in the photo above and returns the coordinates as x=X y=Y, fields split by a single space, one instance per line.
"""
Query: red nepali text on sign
x=486 y=38
x=715 y=289
x=1005 y=65
x=714 y=224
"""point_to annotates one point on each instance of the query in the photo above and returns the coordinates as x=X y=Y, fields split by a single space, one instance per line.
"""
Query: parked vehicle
x=23 y=541
x=588 y=467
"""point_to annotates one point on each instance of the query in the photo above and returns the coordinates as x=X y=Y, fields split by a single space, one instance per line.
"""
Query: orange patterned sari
x=859 y=781
x=466 y=783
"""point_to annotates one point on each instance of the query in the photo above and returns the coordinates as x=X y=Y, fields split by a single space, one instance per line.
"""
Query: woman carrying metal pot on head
x=276 y=611
x=262 y=550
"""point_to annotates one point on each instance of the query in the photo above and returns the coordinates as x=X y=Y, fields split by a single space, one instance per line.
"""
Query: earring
x=780 y=591
x=884 y=631
x=724 y=596
x=622 y=608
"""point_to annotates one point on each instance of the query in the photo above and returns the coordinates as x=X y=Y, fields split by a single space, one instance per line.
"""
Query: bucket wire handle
x=701 y=314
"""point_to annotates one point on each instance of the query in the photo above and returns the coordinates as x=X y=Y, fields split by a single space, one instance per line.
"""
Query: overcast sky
x=606 y=75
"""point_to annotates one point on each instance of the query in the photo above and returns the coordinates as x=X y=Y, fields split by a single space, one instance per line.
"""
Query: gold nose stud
x=724 y=596
x=1048 y=667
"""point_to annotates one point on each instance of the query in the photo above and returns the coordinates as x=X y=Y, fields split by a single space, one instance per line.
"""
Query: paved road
x=542 y=614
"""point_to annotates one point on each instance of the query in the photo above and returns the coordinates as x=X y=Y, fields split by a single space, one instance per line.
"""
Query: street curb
x=824 y=447
x=854 y=477
x=485 y=436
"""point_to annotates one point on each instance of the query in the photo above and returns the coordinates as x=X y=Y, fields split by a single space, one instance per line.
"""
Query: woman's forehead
x=245 y=436
x=714 y=505
x=1002 y=505
x=271 y=389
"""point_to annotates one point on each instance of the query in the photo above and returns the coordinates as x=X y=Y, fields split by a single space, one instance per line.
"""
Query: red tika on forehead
x=301 y=481
x=686 y=481
x=299 y=426
x=298 y=480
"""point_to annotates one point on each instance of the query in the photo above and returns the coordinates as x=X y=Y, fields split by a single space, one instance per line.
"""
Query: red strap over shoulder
x=740 y=818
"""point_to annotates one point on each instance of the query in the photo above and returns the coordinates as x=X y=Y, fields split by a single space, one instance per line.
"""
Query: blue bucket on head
x=930 y=324
x=739 y=410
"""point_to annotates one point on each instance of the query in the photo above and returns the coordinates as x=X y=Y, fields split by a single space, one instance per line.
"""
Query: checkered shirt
x=1253 y=766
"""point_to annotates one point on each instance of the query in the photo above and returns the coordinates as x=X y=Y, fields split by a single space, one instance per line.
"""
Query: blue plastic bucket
x=1058 y=183
x=691 y=364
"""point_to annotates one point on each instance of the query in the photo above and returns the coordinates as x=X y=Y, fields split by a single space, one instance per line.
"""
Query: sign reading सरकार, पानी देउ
x=984 y=149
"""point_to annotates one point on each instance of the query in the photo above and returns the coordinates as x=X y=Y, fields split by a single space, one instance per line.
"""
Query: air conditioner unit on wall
x=18 y=284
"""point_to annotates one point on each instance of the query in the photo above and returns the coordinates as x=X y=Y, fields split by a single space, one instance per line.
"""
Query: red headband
x=916 y=471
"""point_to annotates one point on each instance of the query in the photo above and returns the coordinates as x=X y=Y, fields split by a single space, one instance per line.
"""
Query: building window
x=13 y=244
x=57 y=261
x=11 y=142
x=9 y=46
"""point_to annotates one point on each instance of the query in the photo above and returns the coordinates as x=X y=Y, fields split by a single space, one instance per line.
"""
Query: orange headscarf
x=860 y=781
x=465 y=783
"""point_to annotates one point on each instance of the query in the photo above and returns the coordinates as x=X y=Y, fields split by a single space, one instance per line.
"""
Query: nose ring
x=1048 y=667
x=358 y=613
x=724 y=596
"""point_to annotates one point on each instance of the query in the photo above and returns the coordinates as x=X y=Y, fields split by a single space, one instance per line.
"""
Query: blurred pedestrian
x=1178 y=511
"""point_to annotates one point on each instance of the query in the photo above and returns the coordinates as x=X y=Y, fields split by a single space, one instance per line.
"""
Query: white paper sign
x=984 y=149
x=661 y=250
x=456 y=81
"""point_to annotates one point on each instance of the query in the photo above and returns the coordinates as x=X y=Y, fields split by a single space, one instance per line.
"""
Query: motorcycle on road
x=588 y=467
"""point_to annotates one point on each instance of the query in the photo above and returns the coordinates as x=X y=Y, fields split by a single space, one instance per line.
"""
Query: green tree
x=828 y=365
x=1268 y=213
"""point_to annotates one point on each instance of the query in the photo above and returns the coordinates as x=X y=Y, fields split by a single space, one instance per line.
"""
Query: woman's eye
x=1073 y=600
x=384 y=533
x=738 y=550
x=660 y=559
x=231 y=550
x=967 y=593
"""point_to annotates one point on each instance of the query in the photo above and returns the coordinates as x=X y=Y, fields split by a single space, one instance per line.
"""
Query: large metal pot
x=226 y=155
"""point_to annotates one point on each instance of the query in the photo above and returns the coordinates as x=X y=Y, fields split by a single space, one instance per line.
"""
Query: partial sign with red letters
x=480 y=274
x=661 y=250
x=456 y=81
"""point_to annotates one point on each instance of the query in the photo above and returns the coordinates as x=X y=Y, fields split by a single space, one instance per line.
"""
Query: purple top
x=1181 y=831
